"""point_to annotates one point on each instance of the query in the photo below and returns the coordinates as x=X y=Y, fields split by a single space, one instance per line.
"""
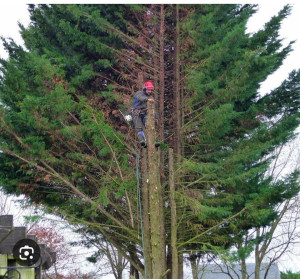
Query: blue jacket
x=140 y=100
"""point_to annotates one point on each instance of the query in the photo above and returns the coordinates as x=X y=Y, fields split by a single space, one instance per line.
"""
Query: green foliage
x=32 y=219
x=60 y=132
x=53 y=131
x=230 y=130
x=289 y=275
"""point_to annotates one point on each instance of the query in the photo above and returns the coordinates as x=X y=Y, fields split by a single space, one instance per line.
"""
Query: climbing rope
x=138 y=177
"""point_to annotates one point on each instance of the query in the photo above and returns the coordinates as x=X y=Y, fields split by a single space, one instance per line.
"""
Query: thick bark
x=156 y=225
x=173 y=217
x=145 y=214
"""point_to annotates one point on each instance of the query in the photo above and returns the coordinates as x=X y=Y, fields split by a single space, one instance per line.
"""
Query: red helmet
x=149 y=85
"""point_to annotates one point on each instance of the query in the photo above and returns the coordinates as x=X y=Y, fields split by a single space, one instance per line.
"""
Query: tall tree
x=232 y=130
x=66 y=146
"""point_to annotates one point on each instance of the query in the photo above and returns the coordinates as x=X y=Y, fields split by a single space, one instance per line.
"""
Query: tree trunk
x=243 y=260
x=155 y=190
x=144 y=188
x=161 y=73
x=177 y=126
x=145 y=214
x=244 y=269
x=156 y=57
x=194 y=267
x=119 y=266
x=257 y=258
x=173 y=217
x=161 y=128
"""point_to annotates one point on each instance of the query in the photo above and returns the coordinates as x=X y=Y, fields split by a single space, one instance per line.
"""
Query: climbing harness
x=138 y=177
x=139 y=111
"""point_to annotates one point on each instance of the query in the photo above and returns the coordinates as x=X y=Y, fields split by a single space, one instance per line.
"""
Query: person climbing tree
x=139 y=110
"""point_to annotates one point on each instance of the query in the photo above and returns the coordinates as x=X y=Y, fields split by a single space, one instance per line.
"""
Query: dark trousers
x=139 y=121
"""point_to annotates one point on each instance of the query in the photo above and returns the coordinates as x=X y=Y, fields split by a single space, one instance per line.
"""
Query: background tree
x=267 y=244
x=289 y=275
x=226 y=130
x=64 y=258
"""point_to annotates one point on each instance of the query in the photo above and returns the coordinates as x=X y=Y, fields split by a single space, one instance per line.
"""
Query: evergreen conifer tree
x=65 y=145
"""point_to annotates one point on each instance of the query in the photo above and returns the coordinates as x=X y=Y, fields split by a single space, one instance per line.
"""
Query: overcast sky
x=11 y=13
